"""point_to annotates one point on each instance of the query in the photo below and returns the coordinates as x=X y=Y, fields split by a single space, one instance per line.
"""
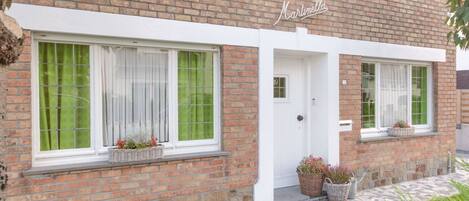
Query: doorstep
x=293 y=194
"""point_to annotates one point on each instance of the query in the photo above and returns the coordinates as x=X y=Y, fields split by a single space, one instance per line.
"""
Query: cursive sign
x=301 y=13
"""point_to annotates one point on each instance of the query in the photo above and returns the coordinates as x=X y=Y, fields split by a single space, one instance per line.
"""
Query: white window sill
x=392 y=138
x=105 y=164
x=83 y=156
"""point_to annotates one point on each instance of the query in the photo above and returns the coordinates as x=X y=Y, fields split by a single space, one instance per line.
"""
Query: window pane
x=394 y=90
x=135 y=100
x=419 y=95
x=368 y=95
x=280 y=87
x=64 y=96
x=195 y=95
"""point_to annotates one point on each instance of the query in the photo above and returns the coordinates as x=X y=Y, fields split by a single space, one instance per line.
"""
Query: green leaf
x=465 y=15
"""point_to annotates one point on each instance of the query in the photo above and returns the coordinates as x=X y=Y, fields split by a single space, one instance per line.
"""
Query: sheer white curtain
x=394 y=90
x=134 y=93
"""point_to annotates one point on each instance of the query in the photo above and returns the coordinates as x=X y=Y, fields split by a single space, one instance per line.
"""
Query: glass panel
x=419 y=95
x=280 y=87
x=394 y=94
x=135 y=88
x=368 y=95
x=64 y=98
x=195 y=95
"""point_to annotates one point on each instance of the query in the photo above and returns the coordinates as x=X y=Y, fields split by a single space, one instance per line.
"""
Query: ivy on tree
x=458 y=20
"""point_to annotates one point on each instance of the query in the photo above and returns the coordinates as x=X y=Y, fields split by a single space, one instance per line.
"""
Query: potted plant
x=400 y=129
x=311 y=175
x=136 y=150
x=337 y=183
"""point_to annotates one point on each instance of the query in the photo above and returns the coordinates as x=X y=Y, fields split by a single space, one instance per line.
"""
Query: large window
x=392 y=92
x=90 y=95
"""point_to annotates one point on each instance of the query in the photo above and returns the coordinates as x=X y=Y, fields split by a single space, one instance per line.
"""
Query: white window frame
x=380 y=131
x=287 y=90
x=97 y=152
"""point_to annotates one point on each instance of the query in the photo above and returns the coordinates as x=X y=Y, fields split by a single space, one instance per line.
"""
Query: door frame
x=304 y=63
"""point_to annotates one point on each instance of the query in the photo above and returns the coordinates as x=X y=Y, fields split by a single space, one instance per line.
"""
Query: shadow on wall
x=462 y=138
x=462 y=79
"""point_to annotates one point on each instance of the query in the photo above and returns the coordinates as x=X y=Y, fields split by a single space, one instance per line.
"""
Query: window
x=89 y=95
x=280 y=87
x=64 y=96
x=394 y=91
x=134 y=91
x=195 y=97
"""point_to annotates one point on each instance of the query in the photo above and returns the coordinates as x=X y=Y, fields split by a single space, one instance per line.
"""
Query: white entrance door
x=289 y=118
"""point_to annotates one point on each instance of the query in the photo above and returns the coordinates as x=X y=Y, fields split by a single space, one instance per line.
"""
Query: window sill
x=105 y=164
x=391 y=138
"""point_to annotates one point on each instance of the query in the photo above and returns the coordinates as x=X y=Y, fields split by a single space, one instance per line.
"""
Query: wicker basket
x=129 y=155
x=401 y=132
x=337 y=192
x=311 y=185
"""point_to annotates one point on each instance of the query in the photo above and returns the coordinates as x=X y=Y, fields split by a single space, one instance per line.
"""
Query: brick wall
x=214 y=178
x=397 y=160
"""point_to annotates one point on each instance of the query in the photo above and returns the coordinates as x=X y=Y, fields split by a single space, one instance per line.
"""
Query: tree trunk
x=11 y=39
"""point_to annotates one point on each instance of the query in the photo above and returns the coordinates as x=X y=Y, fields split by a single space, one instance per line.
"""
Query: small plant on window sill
x=136 y=150
x=401 y=129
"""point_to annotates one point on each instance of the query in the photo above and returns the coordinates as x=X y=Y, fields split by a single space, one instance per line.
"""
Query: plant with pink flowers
x=311 y=166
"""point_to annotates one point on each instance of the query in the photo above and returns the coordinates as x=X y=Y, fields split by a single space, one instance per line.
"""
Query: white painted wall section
x=61 y=20
x=462 y=59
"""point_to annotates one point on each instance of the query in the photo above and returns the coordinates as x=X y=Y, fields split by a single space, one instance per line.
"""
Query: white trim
x=62 y=20
x=107 y=40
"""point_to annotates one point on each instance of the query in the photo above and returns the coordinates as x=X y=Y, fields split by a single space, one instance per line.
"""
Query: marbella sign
x=303 y=12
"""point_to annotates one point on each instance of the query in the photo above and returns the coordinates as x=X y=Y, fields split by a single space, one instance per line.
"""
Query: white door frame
x=269 y=42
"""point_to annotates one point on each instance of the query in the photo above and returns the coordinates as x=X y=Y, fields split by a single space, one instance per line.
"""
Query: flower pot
x=337 y=192
x=311 y=185
x=401 y=132
x=129 y=155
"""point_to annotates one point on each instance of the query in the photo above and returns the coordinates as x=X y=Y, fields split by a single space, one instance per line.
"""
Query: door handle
x=300 y=117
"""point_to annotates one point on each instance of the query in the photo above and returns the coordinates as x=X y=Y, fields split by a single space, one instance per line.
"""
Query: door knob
x=300 y=117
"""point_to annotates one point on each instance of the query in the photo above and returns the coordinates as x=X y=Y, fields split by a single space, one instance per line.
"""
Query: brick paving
x=420 y=190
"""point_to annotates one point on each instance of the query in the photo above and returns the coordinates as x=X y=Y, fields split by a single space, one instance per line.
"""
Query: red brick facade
x=407 y=22
x=213 y=178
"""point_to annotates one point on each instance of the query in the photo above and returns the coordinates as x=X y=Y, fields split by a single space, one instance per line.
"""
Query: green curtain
x=195 y=95
x=64 y=96
x=368 y=95
x=419 y=95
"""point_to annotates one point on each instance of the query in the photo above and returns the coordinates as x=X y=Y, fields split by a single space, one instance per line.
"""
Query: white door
x=289 y=118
